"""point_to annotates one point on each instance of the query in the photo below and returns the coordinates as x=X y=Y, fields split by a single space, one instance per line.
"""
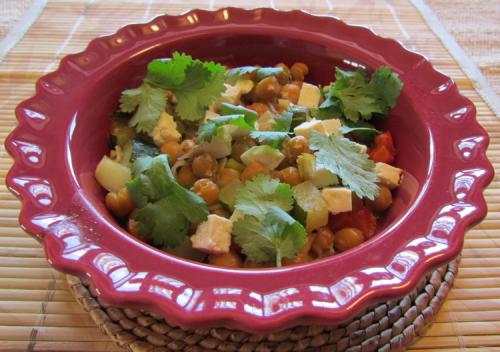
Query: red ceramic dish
x=62 y=134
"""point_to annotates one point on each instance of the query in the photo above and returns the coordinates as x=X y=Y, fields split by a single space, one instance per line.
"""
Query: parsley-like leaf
x=342 y=157
x=328 y=109
x=196 y=84
x=209 y=129
x=168 y=73
x=276 y=236
x=358 y=97
x=387 y=86
x=261 y=72
x=147 y=102
x=273 y=138
x=262 y=192
x=165 y=208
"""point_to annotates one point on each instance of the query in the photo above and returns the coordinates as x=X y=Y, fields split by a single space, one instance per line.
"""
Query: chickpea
x=268 y=88
x=322 y=245
x=284 y=77
x=204 y=165
x=253 y=169
x=207 y=190
x=296 y=146
x=185 y=176
x=347 y=238
x=187 y=146
x=260 y=108
x=290 y=175
x=119 y=203
x=226 y=176
x=290 y=91
x=231 y=260
x=382 y=202
x=237 y=150
x=172 y=149
x=276 y=175
x=299 y=71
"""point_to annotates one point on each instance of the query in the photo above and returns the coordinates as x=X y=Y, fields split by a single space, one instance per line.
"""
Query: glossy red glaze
x=62 y=134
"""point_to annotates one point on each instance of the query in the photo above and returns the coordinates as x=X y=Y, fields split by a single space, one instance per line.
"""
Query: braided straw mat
x=39 y=313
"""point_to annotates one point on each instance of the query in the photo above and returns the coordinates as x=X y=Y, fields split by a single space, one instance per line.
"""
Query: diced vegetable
x=264 y=154
x=309 y=199
x=111 y=174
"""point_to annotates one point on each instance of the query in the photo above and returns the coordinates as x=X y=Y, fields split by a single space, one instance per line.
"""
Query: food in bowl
x=251 y=166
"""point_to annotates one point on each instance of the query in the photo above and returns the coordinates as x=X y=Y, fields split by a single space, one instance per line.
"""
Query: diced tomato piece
x=362 y=219
x=381 y=154
x=385 y=139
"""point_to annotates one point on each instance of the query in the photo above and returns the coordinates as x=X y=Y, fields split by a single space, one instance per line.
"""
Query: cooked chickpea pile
x=205 y=174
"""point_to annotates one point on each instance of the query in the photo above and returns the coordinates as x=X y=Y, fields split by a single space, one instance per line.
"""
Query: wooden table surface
x=38 y=313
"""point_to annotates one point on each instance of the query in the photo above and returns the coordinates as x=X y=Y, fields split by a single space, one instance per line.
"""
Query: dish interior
x=89 y=137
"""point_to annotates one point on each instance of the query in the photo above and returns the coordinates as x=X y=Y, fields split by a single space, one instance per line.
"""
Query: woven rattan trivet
x=389 y=326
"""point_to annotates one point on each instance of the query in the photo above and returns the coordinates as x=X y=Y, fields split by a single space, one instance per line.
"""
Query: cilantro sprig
x=356 y=96
x=342 y=157
x=196 y=84
x=267 y=232
x=164 y=208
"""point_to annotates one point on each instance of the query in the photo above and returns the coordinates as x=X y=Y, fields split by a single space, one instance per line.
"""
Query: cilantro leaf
x=278 y=235
x=230 y=109
x=140 y=149
x=163 y=222
x=283 y=122
x=196 y=84
x=387 y=86
x=342 y=157
x=147 y=102
x=356 y=96
x=362 y=132
x=262 y=192
x=209 y=129
x=261 y=72
x=273 y=138
x=165 y=208
x=168 y=73
x=328 y=109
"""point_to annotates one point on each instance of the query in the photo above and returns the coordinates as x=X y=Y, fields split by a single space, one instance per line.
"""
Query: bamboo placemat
x=37 y=312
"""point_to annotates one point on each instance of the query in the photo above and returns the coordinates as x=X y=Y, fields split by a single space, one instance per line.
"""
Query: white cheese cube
x=309 y=95
x=332 y=126
x=338 y=199
x=305 y=128
x=213 y=236
x=388 y=175
x=165 y=130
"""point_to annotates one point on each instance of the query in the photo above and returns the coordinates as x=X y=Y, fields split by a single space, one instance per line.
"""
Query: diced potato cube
x=165 y=130
x=309 y=96
x=332 y=126
x=112 y=175
x=234 y=92
x=338 y=199
x=213 y=235
x=388 y=175
x=305 y=128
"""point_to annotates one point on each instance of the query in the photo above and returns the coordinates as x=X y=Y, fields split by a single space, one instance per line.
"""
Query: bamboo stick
x=61 y=346
x=61 y=320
